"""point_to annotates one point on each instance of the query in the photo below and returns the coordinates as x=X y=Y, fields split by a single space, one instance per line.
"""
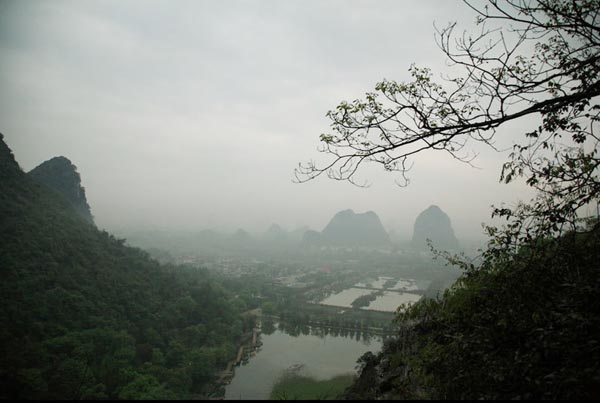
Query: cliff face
x=61 y=175
x=347 y=228
x=434 y=224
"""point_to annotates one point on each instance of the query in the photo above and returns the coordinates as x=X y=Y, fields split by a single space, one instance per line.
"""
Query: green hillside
x=83 y=316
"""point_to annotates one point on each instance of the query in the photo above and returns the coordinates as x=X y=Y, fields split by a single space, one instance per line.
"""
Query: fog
x=192 y=115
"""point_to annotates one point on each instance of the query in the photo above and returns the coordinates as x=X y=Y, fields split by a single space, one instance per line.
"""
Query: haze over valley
x=201 y=128
x=272 y=291
x=300 y=199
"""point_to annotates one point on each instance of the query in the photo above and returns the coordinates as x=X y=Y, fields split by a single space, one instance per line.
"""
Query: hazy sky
x=193 y=114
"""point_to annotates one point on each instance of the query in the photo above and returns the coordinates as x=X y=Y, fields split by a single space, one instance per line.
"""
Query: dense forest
x=84 y=316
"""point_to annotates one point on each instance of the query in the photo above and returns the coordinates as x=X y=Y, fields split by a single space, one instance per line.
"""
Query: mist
x=299 y=200
x=193 y=115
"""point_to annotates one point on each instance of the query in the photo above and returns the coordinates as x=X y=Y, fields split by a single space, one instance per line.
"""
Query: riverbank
x=248 y=346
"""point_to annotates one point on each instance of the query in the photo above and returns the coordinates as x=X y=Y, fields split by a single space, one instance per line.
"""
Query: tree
x=529 y=59
x=523 y=324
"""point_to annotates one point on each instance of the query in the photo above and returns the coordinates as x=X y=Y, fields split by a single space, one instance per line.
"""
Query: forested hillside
x=518 y=327
x=84 y=316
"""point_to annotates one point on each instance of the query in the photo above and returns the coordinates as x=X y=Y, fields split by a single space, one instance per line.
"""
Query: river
x=317 y=353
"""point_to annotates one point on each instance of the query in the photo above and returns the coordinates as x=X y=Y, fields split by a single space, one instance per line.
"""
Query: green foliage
x=365 y=300
x=83 y=316
x=522 y=328
x=145 y=387
x=299 y=387
x=60 y=175
x=523 y=324
x=537 y=315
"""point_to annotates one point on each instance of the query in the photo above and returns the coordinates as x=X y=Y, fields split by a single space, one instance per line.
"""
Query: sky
x=188 y=115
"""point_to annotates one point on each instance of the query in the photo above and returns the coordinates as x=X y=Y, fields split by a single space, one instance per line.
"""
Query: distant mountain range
x=345 y=229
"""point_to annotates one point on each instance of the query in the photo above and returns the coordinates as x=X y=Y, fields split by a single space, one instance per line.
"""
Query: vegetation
x=365 y=300
x=83 y=316
x=300 y=387
x=60 y=175
x=526 y=328
x=522 y=321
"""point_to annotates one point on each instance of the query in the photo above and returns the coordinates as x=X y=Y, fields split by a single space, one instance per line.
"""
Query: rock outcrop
x=435 y=225
x=348 y=228
x=60 y=175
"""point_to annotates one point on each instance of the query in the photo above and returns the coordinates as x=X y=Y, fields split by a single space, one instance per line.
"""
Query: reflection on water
x=321 y=353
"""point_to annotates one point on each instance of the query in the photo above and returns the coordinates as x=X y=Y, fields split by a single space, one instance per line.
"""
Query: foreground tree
x=523 y=322
x=539 y=60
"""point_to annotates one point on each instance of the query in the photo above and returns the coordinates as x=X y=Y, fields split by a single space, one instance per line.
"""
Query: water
x=319 y=355
x=346 y=297
x=388 y=302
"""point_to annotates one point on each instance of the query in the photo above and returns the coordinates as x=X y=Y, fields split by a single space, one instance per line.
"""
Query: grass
x=299 y=387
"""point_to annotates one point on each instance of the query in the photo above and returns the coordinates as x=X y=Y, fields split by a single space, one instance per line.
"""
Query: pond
x=311 y=352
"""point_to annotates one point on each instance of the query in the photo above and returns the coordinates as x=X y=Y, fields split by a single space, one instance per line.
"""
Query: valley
x=292 y=200
x=309 y=312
